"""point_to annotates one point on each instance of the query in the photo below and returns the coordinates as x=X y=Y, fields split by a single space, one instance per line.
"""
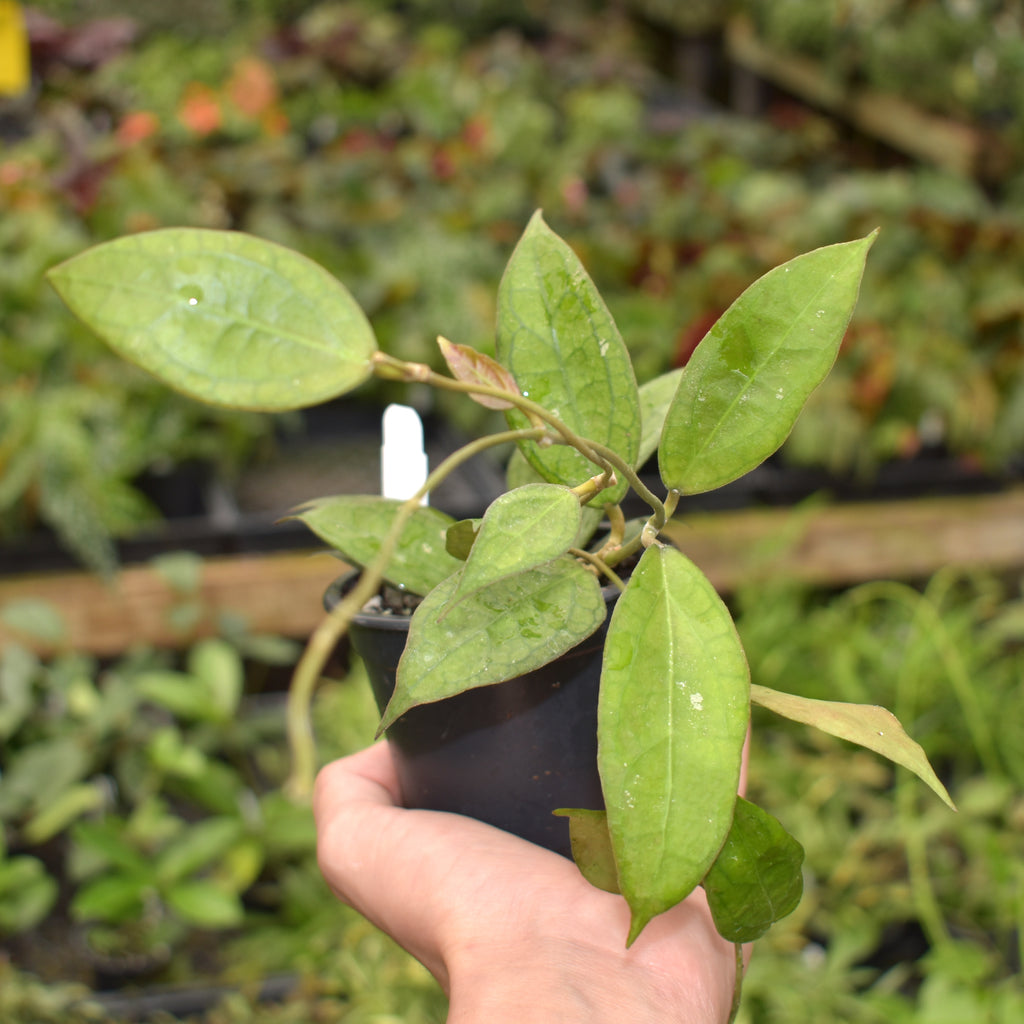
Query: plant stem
x=600 y=564
x=737 y=988
x=331 y=629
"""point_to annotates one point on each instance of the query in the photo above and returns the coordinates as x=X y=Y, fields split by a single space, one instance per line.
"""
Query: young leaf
x=519 y=624
x=748 y=379
x=222 y=316
x=357 y=524
x=592 y=847
x=756 y=878
x=562 y=347
x=521 y=529
x=466 y=364
x=866 y=724
x=519 y=472
x=205 y=904
x=672 y=717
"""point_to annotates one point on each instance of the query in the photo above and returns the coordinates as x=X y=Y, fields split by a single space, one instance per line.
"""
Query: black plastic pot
x=507 y=754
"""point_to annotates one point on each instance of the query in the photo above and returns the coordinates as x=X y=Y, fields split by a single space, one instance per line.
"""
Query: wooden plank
x=273 y=593
x=830 y=545
x=834 y=545
x=938 y=140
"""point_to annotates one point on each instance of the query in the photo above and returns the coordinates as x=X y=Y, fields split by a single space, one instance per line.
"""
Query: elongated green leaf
x=519 y=624
x=558 y=340
x=219 y=667
x=748 y=379
x=205 y=904
x=672 y=717
x=655 y=400
x=865 y=724
x=521 y=529
x=225 y=317
x=756 y=878
x=356 y=525
x=196 y=847
x=592 y=846
x=113 y=898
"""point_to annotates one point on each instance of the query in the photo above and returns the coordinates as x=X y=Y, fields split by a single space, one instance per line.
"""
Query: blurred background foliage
x=405 y=149
x=405 y=145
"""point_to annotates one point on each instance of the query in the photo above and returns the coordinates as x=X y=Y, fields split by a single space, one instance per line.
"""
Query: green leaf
x=592 y=847
x=180 y=693
x=113 y=898
x=356 y=525
x=519 y=473
x=27 y=893
x=747 y=381
x=223 y=316
x=558 y=340
x=219 y=667
x=460 y=538
x=655 y=400
x=865 y=724
x=67 y=807
x=205 y=904
x=521 y=529
x=107 y=842
x=756 y=879
x=35 y=618
x=672 y=717
x=507 y=630
x=196 y=847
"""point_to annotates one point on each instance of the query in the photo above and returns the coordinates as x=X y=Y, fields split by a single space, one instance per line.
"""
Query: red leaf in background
x=199 y=110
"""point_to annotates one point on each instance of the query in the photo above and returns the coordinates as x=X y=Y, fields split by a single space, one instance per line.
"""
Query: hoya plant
x=234 y=320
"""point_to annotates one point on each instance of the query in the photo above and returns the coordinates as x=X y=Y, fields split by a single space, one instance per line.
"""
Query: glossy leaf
x=747 y=381
x=756 y=879
x=558 y=340
x=865 y=724
x=519 y=624
x=473 y=367
x=223 y=316
x=592 y=847
x=520 y=530
x=672 y=717
x=356 y=526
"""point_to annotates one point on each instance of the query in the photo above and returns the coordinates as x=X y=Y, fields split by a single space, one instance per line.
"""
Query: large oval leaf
x=672 y=718
x=356 y=525
x=749 y=378
x=756 y=878
x=514 y=627
x=223 y=316
x=521 y=529
x=558 y=340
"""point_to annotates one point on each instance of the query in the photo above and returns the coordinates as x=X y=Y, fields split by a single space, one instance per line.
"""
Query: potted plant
x=235 y=320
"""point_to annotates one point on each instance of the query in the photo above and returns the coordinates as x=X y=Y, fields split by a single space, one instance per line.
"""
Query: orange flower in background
x=137 y=126
x=199 y=110
x=252 y=87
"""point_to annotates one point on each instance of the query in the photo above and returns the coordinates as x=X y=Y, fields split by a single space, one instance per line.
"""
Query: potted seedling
x=234 y=320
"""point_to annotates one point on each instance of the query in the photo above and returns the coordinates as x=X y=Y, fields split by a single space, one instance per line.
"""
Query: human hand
x=511 y=931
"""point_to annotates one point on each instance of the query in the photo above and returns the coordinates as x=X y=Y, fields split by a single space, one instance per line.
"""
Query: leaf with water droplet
x=495 y=634
x=560 y=343
x=749 y=378
x=223 y=316
x=672 y=718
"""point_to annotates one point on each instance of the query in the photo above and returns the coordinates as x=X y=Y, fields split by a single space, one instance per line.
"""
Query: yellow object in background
x=14 y=63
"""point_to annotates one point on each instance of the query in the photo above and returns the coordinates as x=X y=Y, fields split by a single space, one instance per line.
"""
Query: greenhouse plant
x=237 y=321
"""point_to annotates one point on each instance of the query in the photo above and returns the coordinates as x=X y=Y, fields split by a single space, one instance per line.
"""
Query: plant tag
x=403 y=462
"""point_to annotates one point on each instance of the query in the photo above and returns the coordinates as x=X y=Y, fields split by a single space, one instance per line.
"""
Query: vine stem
x=737 y=988
x=332 y=628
